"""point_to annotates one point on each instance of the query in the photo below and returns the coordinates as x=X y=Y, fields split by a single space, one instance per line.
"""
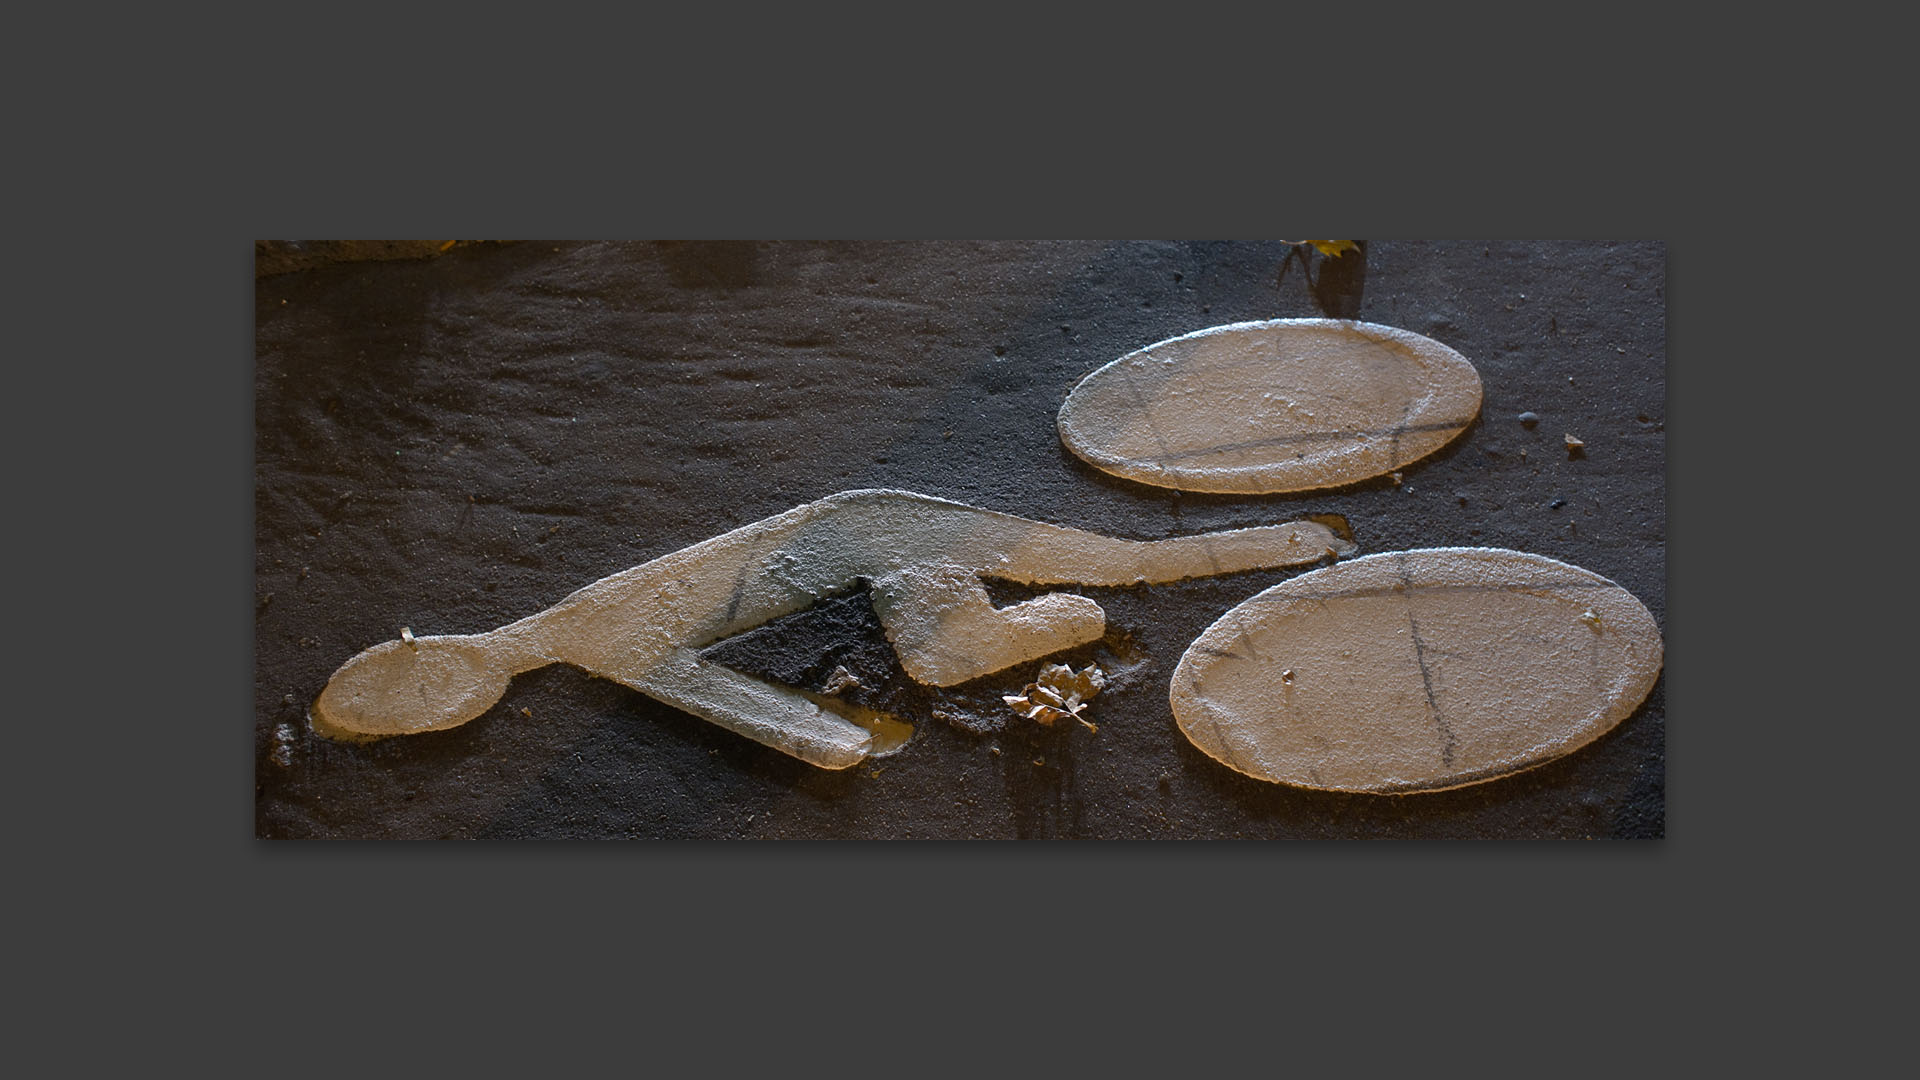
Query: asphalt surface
x=452 y=440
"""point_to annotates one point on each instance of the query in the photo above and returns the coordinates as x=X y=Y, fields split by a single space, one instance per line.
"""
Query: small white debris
x=282 y=753
x=840 y=681
x=1574 y=443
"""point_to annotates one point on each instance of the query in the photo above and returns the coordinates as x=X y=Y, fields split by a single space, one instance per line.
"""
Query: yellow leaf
x=1333 y=249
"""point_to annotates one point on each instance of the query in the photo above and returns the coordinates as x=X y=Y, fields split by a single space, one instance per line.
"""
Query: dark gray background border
x=162 y=824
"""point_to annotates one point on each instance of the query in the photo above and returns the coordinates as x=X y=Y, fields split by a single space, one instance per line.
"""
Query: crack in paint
x=1447 y=742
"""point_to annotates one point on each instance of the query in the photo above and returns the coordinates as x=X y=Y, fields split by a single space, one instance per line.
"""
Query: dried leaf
x=1059 y=692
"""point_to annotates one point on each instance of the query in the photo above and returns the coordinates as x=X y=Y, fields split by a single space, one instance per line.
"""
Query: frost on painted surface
x=1264 y=407
x=1417 y=671
x=923 y=557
